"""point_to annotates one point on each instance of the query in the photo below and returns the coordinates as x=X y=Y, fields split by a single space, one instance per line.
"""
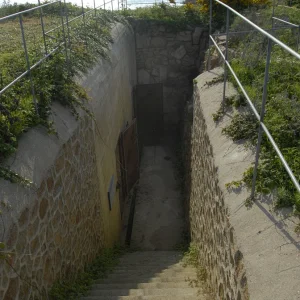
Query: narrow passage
x=159 y=218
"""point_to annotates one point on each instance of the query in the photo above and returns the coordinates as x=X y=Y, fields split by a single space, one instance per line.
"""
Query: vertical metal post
x=226 y=58
x=262 y=115
x=112 y=7
x=67 y=22
x=28 y=63
x=68 y=32
x=63 y=30
x=43 y=27
x=273 y=15
x=83 y=13
x=95 y=8
x=298 y=40
x=209 y=34
x=104 y=3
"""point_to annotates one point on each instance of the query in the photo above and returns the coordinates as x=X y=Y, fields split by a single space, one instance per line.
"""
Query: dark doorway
x=149 y=109
x=127 y=154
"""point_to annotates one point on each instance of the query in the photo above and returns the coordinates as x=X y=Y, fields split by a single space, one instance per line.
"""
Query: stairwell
x=150 y=275
x=157 y=272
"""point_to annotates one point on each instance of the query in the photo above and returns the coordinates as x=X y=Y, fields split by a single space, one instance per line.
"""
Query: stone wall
x=59 y=223
x=247 y=252
x=209 y=223
x=171 y=57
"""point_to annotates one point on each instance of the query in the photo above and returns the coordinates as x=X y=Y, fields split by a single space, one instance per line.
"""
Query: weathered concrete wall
x=60 y=223
x=248 y=253
x=172 y=58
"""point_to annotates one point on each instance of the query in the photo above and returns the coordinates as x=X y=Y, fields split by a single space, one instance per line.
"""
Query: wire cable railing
x=259 y=116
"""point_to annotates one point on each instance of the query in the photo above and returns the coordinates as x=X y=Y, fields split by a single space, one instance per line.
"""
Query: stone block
x=155 y=72
x=179 y=53
x=197 y=35
x=184 y=36
x=163 y=71
x=158 y=42
x=188 y=61
x=162 y=28
x=142 y=41
x=143 y=77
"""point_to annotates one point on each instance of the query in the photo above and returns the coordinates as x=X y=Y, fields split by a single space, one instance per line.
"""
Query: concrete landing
x=159 y=218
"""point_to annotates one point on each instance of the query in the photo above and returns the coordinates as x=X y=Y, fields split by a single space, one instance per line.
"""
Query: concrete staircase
x=149 y=275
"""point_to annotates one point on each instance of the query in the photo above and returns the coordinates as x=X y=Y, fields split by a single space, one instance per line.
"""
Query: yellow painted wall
x=110 y=86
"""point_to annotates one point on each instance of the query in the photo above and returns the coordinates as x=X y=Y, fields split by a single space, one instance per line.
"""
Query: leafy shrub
x=178 y=16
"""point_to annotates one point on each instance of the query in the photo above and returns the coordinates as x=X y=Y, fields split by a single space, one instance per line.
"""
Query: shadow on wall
x=209 y=226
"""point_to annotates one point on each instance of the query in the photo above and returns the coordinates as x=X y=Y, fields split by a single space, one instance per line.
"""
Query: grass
x=54 y=79
x=282 y=107
x=178 y=17
x=73 y=288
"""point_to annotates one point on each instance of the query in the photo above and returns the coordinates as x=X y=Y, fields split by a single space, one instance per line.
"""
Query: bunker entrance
x=149 y=112
x=158 y=221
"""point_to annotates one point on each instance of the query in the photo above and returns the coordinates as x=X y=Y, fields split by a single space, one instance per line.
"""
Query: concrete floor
x=159 y=219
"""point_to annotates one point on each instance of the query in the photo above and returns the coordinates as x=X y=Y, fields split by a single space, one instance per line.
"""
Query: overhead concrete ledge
x=263 y=236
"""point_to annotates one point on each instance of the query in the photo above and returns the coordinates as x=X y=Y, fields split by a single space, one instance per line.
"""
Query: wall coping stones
x=265 y=237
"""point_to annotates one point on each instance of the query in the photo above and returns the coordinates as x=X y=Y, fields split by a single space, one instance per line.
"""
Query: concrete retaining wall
x=60 y=223
x=248 y=252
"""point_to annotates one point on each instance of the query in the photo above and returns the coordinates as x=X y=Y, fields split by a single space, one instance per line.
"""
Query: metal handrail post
x=273 y=14
x=28 y=63
x=112 y=6
x=209 y=42
x=83 y=14
x=43 y=27
x=95 y=8
x=262 y=115
x=226 y=59
x=104 y=3
x=298 y=40
x=67 y=23
x=68 y=33
x=63 y=31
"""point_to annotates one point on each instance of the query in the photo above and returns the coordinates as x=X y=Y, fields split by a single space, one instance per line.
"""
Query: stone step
x=144 y=298
x=147 y=270
x=124 y=267
x=178 y=278
x=145 y=292
x=152 y=255
x=136 y=277
x=149 y=260
x=144 y=285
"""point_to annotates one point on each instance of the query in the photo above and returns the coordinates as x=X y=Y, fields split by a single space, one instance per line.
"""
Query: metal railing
x=292 y=25
x=137 y=3
x=65 y=31
x=260 y=117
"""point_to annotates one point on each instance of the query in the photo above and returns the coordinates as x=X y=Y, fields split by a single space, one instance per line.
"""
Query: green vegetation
x=73 y=288
x=54 y=79
x=177 y=16
x=282 y=116
x=191 y=258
